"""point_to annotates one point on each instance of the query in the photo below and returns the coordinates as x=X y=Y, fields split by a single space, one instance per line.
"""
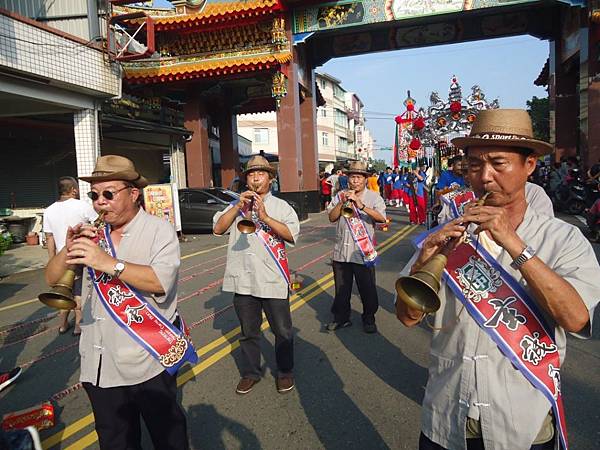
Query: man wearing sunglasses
x=129 y=300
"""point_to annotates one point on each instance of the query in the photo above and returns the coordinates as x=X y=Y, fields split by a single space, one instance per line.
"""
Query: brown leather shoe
x=245 y=385
x=284 y=384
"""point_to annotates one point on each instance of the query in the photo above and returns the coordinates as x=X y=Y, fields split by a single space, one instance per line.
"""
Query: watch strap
x=525 y=256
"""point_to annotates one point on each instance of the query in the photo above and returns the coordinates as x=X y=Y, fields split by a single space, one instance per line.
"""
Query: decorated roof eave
x=214 y=14
x=205 y=69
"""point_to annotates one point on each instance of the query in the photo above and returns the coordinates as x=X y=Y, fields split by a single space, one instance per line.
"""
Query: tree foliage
x=539 y=110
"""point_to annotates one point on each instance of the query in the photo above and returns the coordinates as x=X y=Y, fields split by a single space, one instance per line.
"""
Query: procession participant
x=388 y=185
x=452 y=178
x=257 y=272
x=131 y=340
x=494 y=378
x=354 y=254
x=372 y=183
x=67 y=211
x=421 y=193
x=397 y=188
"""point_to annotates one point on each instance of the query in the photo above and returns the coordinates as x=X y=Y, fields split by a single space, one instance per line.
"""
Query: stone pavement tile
x=22 y=257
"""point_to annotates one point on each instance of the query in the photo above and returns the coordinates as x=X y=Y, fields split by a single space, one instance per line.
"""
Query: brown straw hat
x=505 y=128
x=114 y=167
x=359 y=167
x=259 y=163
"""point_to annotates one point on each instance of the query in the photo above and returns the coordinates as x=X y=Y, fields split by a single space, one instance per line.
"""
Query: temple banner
x=162 y=200
x=351 y=13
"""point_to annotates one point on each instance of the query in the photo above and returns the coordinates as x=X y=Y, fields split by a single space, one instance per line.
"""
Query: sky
x=504 y=69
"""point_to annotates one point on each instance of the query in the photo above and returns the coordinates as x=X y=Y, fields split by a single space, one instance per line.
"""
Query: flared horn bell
x=246 y=226
x=420 y=290
x=347 y=210
x=60 y=295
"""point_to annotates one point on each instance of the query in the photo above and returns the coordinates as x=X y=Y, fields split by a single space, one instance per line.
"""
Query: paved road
x=353 y=391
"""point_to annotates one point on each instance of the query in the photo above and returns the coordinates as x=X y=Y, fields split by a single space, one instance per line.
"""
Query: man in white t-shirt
x=68 y=211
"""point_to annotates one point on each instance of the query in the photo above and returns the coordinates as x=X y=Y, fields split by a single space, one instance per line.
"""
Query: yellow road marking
x=84 y=442
x=317 y=287
x=16 y=305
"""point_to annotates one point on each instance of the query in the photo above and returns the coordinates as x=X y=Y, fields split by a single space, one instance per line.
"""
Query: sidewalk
x=22 y=257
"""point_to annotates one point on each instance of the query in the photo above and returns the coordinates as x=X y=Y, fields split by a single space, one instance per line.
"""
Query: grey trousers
x=249 y=311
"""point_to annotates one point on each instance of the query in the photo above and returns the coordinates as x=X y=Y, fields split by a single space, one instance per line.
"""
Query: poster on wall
x=162 y=200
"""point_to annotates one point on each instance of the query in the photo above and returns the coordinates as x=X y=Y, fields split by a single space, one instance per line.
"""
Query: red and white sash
x=511 y=318
x=273 y=244
x=142 y=322
x=359 y=233
x=457 y=200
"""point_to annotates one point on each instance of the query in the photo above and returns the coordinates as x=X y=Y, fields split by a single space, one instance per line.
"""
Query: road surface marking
x=296 y=301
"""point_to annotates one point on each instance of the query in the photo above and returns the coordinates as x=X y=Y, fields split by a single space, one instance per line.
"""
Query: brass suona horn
x=247 y=226
x=60 y=295
x=420 y=290
x=347 y=209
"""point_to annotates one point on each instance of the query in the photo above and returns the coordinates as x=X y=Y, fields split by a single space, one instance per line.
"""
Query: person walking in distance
x=66 y=212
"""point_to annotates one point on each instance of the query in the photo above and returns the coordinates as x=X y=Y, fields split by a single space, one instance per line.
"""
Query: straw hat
x=359 y=167
x=259 y=163
x=505 y=128
x=114 y=167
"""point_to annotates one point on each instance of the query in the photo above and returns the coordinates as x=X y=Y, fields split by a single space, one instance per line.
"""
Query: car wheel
x=576 y=207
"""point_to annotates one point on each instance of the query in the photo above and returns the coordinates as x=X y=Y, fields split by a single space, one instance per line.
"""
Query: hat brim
x=358 y=172
x=129 y=176
x=269 y=169
x=540 y=148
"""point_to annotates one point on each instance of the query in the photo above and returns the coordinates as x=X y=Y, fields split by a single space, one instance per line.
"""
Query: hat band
x=501 y=136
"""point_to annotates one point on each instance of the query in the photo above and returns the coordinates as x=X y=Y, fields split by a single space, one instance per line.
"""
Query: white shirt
x=59 y=216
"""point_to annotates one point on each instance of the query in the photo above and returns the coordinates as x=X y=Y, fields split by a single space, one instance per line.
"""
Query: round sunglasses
x=108 y=195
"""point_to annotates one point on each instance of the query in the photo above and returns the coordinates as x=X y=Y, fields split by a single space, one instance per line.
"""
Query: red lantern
x=455 y=107
x=415 y=144
x=410 y=107
x=419 y=123
x=398 y=120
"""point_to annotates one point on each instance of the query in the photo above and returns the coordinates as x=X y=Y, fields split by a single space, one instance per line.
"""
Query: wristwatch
x=525 y=256
x=119 y=268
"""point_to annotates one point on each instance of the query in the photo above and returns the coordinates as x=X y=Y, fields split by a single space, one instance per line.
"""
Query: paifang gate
x=239 y=57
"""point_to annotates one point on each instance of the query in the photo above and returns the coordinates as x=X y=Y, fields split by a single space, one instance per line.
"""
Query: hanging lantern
x=455 y=107
x=441 y=122
x=471 y=118
x=410 y=106
x=415 y=144
x=419 y=123
x=398 y=120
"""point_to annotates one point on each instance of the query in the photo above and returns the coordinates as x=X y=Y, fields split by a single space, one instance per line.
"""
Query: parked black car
x=198 y=206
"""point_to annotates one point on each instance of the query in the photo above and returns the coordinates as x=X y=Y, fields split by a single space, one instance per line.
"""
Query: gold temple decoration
x=278 y=87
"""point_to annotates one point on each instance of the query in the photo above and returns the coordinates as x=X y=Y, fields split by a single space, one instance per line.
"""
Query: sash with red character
x=457 y=200
x=360 y=235
x=130 y=310
x=274 y=245
x=511 y=318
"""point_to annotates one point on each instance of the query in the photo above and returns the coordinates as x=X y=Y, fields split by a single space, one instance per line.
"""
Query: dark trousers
x=343 y=273
x=475 y=444
x=249 y=311
x=117 y=412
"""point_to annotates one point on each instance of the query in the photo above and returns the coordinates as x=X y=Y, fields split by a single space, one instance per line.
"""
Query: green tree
x=539 y=110
x=378 y=164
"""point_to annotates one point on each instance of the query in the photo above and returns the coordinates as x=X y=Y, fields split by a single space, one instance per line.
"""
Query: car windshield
x=224 y=194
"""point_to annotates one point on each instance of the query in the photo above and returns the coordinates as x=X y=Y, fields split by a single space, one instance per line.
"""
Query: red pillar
x=310 y=159
x=590 y=121
x=230 y=161
x=198 y=157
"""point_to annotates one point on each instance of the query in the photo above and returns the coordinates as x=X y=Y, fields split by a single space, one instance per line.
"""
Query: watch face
x=120 y=266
